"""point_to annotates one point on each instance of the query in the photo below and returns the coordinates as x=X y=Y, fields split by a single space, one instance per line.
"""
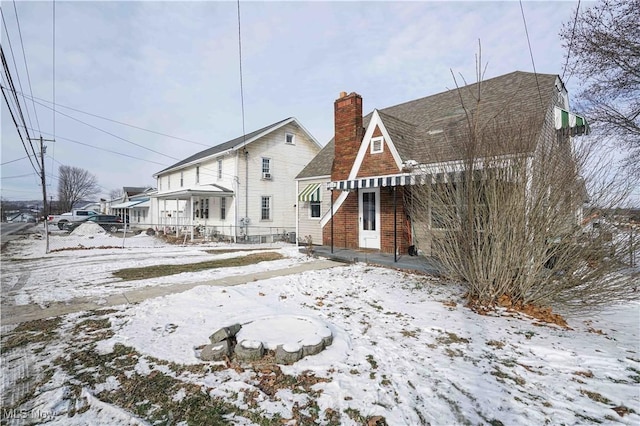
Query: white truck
x=74 y=215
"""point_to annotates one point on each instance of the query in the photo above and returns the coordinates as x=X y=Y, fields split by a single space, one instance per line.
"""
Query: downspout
x=246 y=193
x=297 y=213
x=331 y=220
x=236 y=183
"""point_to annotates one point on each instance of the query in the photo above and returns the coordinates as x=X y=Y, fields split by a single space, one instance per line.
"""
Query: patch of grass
x=225 y=251
x=496 y=343
x=411 y=333
x=372 y=361
x=37 y=331
x=451 y=338
x=595 y=396
x=501 y=375
x=129 y=274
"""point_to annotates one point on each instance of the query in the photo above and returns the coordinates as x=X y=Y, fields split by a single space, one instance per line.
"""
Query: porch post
x=191 y=216
x=177 y=218
x=395 y=223
x=331 y=220
x=164 y=219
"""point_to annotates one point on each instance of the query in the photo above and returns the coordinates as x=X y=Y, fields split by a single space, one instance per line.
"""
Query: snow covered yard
x=405 y=351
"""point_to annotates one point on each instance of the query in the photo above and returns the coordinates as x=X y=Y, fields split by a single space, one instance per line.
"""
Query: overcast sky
x=173 y=68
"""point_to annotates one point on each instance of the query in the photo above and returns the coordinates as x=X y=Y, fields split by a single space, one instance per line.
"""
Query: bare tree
x=507 y=218
x=74 y=184
x=116 y=193
x=603 y=50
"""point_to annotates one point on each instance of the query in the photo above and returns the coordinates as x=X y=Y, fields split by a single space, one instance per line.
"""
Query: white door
x=369 y=218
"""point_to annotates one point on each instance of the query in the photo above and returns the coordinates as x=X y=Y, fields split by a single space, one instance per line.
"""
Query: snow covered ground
x=405 y=349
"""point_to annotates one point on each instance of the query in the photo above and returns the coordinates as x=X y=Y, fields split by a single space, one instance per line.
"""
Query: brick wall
x=379 y=164
x=346 y=225
x=348 y=134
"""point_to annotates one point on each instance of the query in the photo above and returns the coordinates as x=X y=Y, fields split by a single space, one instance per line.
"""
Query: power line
x=102 y=149
x=531 y=53
x=573 y=31
x=24 y=56
x=15 y=63
x=19 y=176
x=119 y=122
x=107 y=132
x=13 y=161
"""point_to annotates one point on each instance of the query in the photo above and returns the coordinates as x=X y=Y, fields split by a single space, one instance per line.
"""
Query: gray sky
x=172 y=67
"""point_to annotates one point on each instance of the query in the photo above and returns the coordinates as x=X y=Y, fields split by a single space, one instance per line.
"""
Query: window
x=197 y=174
x=223 y=208
x=181 y=179
x=159 y=183
x=204 y=208
x=290 y=138
x=265 y=208
x=266 y=168
x=377 y=145
x=220 y=169
x=314 y=209
x=169 y=182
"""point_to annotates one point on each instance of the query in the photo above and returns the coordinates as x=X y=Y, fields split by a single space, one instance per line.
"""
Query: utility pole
x=44 y=190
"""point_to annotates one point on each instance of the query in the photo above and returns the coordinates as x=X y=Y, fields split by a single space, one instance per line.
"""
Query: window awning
x=576 y=124
x=403 y=179
x=310 y=193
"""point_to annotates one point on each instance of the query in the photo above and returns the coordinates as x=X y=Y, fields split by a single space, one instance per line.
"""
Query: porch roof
x=128 y=204
x=212 y=190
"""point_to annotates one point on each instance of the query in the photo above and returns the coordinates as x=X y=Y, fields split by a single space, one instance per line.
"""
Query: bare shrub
x=508 y=217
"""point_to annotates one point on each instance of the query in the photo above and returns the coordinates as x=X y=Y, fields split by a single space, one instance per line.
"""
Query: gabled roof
x=424 y=129
x=236 y=143
x=134 y=190
x=321 y=163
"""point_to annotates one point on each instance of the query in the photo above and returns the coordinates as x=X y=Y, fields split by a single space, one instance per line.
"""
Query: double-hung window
x=220 y=169
x=266 y=168
x=265 y=208
x=197 y=174
x=314 y=209
x=223 y=208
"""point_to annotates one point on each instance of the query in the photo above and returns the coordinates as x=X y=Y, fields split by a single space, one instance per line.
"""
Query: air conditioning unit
x=266 y=176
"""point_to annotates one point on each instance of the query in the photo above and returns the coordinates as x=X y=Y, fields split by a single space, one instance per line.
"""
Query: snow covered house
x=240 y=190
x=352 y=195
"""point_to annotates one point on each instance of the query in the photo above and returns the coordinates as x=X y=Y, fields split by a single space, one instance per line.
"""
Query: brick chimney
x=348 y=133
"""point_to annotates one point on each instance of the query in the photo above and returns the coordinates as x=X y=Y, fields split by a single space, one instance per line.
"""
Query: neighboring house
x=134 y=204
x=371 y=162
x=242 y=189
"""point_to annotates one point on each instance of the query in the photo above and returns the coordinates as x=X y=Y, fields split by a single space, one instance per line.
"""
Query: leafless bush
x=508 y=218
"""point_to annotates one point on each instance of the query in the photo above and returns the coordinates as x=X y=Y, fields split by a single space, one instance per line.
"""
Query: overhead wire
x=15 y=63
x=26 y=67
x=573 y=32
x=120 y=122
x=12 y=161
x=524 y=20
x=15 y=122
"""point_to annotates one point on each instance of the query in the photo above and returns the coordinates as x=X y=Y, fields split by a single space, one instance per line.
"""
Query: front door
x=369 y=218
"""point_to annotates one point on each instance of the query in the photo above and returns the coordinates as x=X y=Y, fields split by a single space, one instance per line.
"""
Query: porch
x=421 y=264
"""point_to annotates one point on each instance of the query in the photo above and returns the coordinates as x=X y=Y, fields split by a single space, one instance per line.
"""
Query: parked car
x=73 y=216
x=108 y=222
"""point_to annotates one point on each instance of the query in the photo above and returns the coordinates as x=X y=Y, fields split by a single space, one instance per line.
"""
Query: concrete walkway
x=21 y=313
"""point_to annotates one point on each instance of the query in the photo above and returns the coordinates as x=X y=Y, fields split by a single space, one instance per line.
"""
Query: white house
x=240 y=190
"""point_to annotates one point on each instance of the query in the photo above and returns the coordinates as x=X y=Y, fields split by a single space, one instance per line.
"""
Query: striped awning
x=310 y=193
x=577 y=125
x=391 y=180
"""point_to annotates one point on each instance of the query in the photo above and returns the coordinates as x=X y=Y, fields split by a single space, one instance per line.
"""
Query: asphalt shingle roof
x=223 y=146
x=428 y=129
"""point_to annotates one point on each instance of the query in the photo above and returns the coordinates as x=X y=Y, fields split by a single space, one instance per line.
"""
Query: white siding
x=286 y=162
